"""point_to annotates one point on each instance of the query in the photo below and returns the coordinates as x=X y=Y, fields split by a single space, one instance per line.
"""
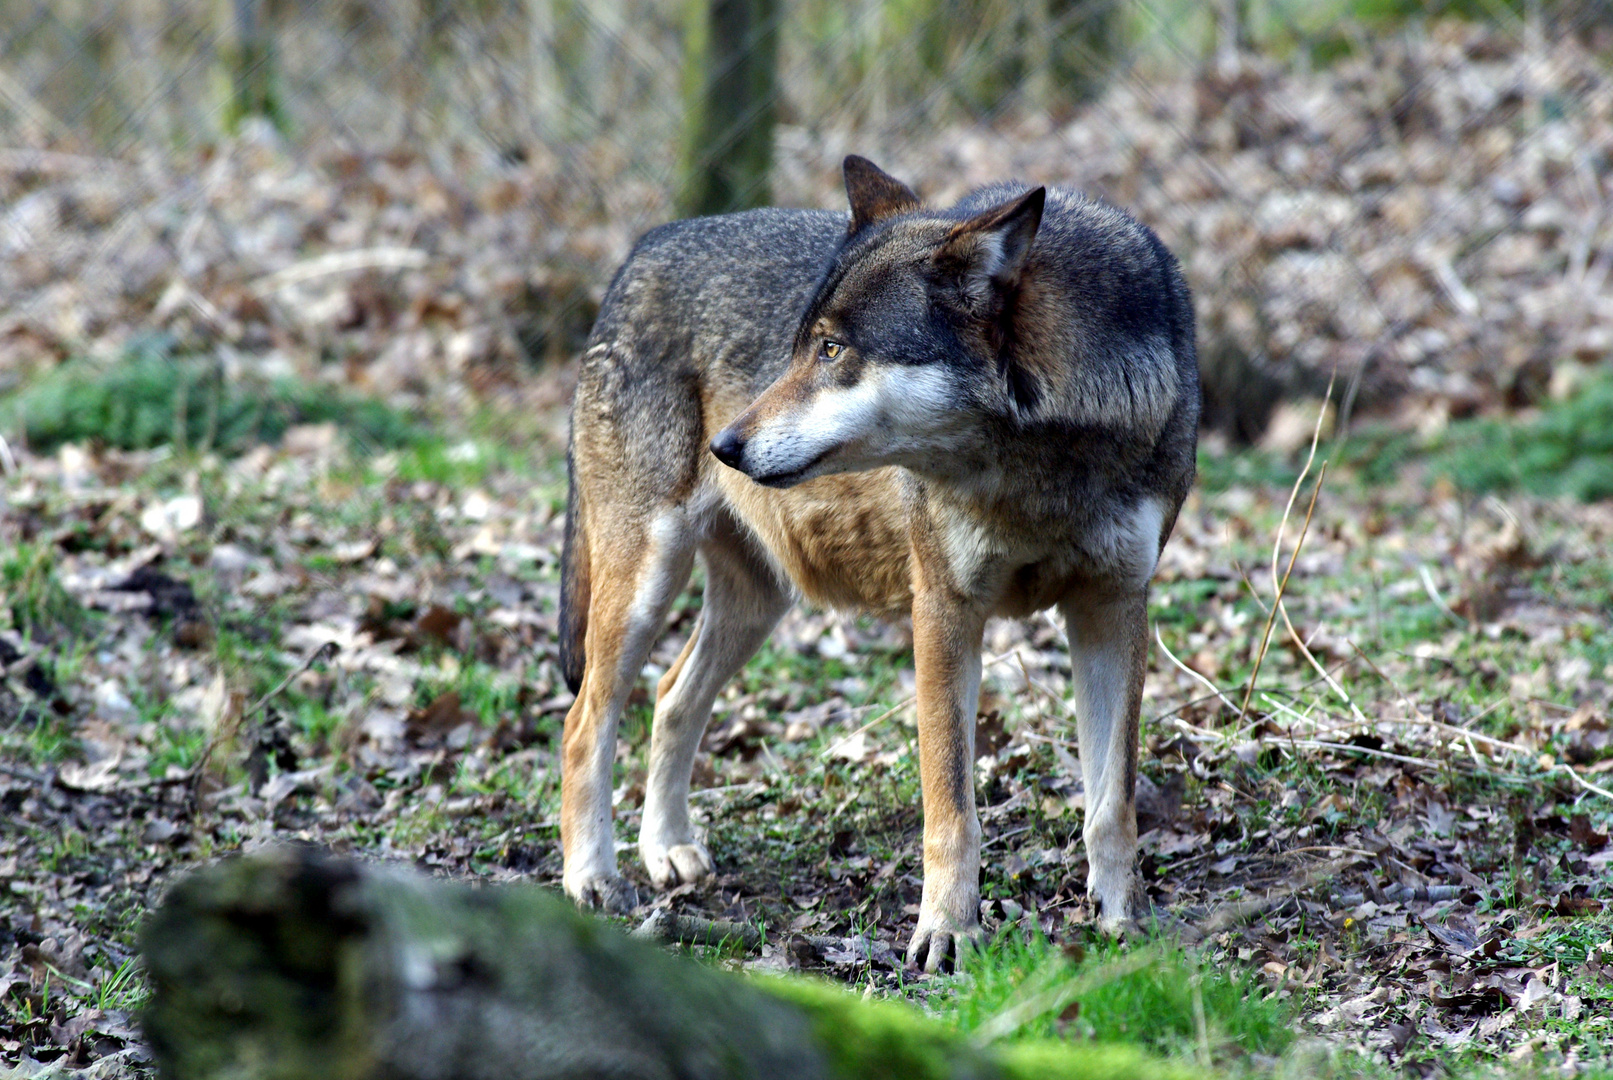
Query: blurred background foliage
x=422 y=200
x=512 y=73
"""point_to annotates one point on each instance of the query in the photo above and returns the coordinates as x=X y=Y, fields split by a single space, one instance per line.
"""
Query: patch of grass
x=1566 y=450
x=122 y=988
x=1243 y=468
x=174 y=744
x=33 y=596
x=151 y=398
x=1153 y=995
x=482 y=688
x=48 y=740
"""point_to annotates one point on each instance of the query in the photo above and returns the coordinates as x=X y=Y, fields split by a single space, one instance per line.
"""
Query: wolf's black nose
x=728 y=447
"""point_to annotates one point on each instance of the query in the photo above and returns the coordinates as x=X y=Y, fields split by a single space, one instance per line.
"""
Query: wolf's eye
x=831 y=349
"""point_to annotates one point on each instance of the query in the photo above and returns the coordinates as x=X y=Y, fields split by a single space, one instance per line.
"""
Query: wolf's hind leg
x=743 y=602
x=1108 y=634
x=639 y=564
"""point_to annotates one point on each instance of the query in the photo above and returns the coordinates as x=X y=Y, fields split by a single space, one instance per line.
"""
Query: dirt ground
x=1404 y=833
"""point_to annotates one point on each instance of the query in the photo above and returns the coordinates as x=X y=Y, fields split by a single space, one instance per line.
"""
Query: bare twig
x=1200 y=677
x=319 y=655
x=1330 y=847
x=324 y=652
x=342 y=262
x=1282 y=586
x=1229 y=915
x=665 y=925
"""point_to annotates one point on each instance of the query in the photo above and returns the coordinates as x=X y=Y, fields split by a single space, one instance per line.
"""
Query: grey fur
x=1010 y=387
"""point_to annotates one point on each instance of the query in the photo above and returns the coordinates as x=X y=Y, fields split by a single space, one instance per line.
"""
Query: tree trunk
x=731 y=90
x=1084 y=39
x=291 y=963
x=250 y=58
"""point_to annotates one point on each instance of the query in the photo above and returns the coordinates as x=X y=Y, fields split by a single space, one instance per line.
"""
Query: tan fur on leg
x=946 y=659
x=743 y=602
x=638 y=568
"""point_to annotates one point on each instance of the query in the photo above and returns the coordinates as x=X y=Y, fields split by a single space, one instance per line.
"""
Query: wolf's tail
x=574 y=586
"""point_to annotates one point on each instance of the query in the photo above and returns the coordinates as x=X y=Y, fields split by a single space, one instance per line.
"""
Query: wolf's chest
x=842 y=540
x=1019 y=566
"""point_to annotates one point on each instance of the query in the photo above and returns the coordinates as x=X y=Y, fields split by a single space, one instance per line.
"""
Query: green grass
x=1566 y=449
x=32 y=595
x=787 y=836
x=151 y=398
x=1152 y=995
x=122 y=988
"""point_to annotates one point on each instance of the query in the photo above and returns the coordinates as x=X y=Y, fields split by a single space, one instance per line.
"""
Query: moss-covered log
x=290 y=963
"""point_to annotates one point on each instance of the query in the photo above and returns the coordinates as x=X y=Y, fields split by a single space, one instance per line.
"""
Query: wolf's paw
x=611 y=894
x=937 y=942
x=676 y=864
x=1120 y=906
x=1118 y=926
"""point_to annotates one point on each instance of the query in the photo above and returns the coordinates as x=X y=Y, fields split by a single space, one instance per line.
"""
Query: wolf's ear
x=989 y=250
x=874 y=193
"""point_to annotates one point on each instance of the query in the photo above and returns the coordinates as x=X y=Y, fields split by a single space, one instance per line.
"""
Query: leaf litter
x=1413 y=849
x=1402 y=828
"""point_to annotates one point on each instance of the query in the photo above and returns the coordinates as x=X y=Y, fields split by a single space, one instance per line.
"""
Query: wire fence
x=398 y=192
x=516 y=78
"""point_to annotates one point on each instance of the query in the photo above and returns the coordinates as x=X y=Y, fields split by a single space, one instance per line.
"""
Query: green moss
x=890 y=1039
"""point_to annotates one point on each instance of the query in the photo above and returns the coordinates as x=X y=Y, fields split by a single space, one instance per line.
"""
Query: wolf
x=954 y=414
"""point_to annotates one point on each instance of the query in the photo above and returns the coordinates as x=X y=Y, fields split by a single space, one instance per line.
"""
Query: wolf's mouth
x=791 y=478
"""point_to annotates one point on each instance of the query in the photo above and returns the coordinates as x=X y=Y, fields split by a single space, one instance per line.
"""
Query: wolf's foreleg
x=638 y=568
x=1108 y=636
x=946 y=656
x=743 y=602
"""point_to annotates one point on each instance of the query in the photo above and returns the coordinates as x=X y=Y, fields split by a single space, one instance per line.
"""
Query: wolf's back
x=696 y=300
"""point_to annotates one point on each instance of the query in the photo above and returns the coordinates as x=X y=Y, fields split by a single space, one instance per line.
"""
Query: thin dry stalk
x=1332 y=683
x=1299 y=481
x=1276 y=553
x=1318 y=744
x=193 y=776
x=1433 y=594
x=1418 y=720
x=1197 y=676
x=1282 y=586
x=1244 y=577
x=829 y=750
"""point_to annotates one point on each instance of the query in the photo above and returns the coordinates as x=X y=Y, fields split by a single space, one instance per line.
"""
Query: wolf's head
x=904 y=345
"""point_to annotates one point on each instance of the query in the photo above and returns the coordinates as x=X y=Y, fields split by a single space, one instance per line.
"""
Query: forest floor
x=1393 y=858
